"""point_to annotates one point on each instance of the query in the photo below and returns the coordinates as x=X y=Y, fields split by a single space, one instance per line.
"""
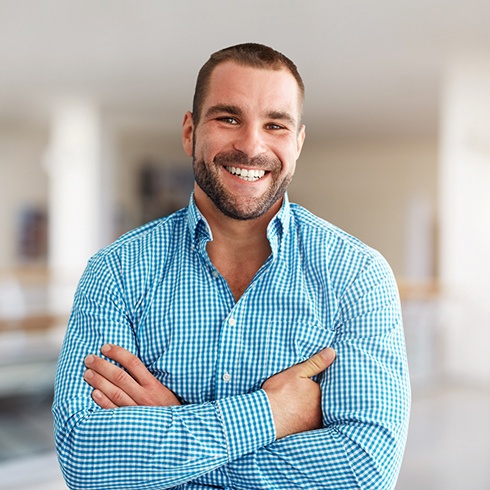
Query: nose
x=250 y=141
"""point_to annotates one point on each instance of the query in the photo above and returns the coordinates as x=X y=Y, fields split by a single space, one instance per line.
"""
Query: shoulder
x=332 y=251
x=147 y=244
x=326 y=236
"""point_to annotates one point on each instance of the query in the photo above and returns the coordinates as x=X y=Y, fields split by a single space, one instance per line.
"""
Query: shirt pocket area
x=288 y=345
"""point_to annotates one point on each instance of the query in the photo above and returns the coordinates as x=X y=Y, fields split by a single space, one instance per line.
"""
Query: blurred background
x=92 y=96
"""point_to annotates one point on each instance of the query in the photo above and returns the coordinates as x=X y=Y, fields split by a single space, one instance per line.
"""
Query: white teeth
x=248 y=175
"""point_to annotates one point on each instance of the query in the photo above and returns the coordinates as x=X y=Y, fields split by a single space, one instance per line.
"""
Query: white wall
x=368 y=187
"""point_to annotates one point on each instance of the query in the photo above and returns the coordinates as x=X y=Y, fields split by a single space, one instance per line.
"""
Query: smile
x=250 y=175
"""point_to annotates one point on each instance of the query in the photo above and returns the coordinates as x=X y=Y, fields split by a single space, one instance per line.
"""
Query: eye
x=274 y=126
x=227 y=120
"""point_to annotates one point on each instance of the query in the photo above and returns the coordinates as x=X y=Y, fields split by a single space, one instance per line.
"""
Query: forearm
x=315 y=459
x=344 y=456
x=158 y=447
x=324 y=459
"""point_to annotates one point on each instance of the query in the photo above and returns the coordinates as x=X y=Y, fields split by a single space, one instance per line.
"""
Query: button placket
x=227 y=376
x=226 y=356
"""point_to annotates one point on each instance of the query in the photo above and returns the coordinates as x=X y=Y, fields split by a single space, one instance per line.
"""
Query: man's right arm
x=145 y=447
x=141 y=447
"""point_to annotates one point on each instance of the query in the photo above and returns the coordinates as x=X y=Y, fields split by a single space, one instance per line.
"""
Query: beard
x=207 y=178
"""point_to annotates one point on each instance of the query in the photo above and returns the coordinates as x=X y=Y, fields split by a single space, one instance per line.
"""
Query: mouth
x=249 y=175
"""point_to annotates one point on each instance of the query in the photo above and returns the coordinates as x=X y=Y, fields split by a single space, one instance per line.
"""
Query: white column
x=465 y=219
x=80 y=211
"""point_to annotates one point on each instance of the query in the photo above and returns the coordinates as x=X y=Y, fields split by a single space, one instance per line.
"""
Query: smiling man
x=219 y=325
x=249 y=127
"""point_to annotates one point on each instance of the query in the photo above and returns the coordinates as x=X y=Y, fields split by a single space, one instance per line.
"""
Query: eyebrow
x=282 y=116
x=236 y=111
x=223 y=108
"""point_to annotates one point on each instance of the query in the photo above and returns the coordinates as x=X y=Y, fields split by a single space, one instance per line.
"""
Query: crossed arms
x=294 y=398
x=152 y=441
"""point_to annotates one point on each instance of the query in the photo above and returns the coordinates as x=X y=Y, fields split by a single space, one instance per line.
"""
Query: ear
x=300 y=138
x=188 y=133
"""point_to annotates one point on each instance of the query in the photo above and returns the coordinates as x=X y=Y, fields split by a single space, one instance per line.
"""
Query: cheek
x=205 y=147
x=286 y=147
x=288 y=159
x=200 y=150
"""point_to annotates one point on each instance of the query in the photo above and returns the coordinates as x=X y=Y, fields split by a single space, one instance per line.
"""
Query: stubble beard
x=207 y=178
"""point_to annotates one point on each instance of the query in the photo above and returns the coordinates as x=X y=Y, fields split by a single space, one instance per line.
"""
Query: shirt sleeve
x=365 y=400
x=139 y=447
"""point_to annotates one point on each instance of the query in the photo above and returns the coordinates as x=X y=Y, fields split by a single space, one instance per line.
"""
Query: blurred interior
x=92 y=97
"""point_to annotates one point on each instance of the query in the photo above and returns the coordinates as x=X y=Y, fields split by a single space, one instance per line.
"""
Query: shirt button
x=232 y=322
x=215 y=274
x=226 y=377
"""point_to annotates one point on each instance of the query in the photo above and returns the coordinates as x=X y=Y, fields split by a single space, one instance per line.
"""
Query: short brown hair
x=248 y=54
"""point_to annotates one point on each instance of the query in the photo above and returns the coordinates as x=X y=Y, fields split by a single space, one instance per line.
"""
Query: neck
x=231 y=232
x=239 y=247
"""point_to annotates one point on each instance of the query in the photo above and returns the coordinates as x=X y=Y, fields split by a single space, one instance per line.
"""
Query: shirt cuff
x=247 y=422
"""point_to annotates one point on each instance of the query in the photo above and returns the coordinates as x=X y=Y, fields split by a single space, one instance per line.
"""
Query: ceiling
x=370 y=68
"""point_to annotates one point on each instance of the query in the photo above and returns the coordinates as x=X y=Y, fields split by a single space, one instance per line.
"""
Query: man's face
x=247 y=141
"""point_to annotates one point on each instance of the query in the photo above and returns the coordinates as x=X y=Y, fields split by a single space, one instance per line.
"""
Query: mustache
x=238 y=158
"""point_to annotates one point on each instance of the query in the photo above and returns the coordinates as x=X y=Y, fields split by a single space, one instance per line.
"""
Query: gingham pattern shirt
x=156 y=293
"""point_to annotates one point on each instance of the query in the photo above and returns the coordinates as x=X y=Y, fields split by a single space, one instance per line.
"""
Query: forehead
x=253 y=88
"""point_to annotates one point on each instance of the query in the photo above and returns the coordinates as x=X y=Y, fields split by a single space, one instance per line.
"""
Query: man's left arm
x=365 y=403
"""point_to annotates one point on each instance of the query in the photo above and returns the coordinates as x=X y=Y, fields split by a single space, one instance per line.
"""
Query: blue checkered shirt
x=156 y=293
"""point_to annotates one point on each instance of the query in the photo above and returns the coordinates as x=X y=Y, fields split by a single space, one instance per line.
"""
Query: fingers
x=102 y=400
x=316 y=364
x=113 y=381
x=128 y=361
x=129 y=385
x=106 y=394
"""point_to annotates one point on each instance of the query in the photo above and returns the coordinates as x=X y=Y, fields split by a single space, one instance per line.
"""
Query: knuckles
x=132 y=363
x=118 y=398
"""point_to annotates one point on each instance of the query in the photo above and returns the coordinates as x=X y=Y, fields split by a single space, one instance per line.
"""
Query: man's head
x=245 y=134
x=248 y=54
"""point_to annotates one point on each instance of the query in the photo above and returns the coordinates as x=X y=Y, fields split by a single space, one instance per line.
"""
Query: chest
x=204 y=345
x=238 y=277
x=238 y=269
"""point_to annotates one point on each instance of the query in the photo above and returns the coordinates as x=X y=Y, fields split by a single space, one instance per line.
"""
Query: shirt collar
x=279 y=225
x=276 y=229
x=198 y=226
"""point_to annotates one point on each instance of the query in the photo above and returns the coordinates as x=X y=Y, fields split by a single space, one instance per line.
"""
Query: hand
x=114 y=387
x=296 y=399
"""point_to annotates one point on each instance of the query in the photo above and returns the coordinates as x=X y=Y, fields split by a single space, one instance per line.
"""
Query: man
x=226 y=317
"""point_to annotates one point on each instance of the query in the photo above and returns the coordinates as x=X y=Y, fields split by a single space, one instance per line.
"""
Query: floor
x=27 y=457
x=448 y=446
